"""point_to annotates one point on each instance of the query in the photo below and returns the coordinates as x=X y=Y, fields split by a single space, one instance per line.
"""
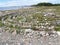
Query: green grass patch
x=57 y=28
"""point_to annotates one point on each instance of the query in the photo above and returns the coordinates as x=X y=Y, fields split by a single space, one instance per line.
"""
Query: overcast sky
x=4 y=3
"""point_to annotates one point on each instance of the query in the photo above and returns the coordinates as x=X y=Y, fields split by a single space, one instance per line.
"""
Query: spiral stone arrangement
x=30 y=26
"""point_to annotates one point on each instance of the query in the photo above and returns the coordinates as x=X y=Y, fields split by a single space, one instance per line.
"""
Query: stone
x=58 y=32
x=6 y=43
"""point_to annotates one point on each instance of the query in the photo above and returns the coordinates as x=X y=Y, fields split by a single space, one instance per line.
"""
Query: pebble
x=31 y=39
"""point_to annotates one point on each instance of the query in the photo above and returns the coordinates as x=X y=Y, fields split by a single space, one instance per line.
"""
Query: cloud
x=18 y=2
x=10 y=3
x=23 y=2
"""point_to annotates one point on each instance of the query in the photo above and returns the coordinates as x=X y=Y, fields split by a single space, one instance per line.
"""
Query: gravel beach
x=28 y=39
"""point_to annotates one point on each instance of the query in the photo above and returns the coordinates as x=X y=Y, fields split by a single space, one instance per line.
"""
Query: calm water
x=13 y=8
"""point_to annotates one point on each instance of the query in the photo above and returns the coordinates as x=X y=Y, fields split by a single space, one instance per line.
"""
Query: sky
x=6 y=3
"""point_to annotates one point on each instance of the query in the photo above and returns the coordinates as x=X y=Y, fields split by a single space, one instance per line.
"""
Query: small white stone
x=49 y=42
x=4 y=22
x=37 y=21
x=42 y=26
x=54 y=31
x=42 y=32
x=18 y=43
x=58 y=32
x=28 y=30
x=6 y=43
x=45 y=19
x=52 y=27
x=45 y=15
x=49 y=28
x=47 y=34
x=47 y=23
x=13 y=17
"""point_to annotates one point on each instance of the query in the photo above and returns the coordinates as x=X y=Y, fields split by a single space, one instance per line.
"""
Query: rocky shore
x=30 y=26
x=31 y=38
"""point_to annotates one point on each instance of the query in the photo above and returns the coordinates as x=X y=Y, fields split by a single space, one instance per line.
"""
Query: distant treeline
x=46 y=4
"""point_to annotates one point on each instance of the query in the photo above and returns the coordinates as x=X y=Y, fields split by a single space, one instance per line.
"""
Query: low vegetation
x=46 y=4
x=36 y=18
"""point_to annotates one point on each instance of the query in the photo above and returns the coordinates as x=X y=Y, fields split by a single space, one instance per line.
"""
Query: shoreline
x=13 y=8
